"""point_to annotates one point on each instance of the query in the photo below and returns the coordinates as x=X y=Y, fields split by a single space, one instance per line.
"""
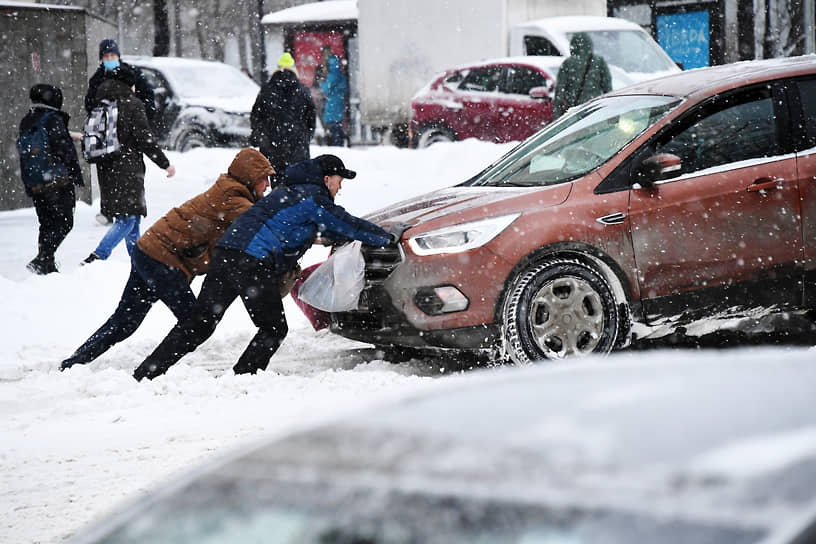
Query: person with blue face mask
x=109 y=60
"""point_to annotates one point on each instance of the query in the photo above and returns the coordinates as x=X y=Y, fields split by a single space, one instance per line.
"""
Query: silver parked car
x=618 y=451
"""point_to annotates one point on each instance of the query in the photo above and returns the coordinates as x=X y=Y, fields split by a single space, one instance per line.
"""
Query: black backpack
x=40 y=170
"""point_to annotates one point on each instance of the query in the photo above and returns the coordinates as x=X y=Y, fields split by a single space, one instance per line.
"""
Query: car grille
x=380 y=262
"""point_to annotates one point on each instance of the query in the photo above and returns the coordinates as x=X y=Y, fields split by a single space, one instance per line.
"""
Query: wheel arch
x=585 y=254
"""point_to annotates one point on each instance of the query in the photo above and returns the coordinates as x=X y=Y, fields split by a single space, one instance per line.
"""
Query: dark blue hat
x=108 y=46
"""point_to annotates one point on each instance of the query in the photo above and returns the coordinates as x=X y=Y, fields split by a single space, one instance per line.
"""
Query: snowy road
x=76 y=444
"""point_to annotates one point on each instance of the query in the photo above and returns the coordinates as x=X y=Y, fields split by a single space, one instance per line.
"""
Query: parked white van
x=622 y=43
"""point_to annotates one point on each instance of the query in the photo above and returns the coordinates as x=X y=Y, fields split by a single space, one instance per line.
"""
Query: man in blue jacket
x=252 y=256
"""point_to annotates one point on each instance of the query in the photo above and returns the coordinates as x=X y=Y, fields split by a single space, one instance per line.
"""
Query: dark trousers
x=231 y=274
x=337 y=136
x=55 y=212
x=149 y=281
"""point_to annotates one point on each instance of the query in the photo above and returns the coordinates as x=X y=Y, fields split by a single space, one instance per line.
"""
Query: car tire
x=559 y=309
x=192 y=138
x=433 y=134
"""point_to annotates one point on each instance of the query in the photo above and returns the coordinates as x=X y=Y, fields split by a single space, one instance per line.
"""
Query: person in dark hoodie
x=283 y=117
x=176 y=248
x=582 y=77
x=52 y=192
x=121 y=175
x=260 y=247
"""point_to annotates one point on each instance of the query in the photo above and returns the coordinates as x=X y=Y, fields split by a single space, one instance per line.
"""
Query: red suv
x=677 y=199
x=500 y=100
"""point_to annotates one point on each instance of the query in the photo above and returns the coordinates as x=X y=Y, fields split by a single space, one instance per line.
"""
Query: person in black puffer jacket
x=54 y=201
x=283 y=118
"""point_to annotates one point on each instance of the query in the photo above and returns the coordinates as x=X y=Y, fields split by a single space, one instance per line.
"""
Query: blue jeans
x=125 y=227
x=337 y=137
x=149 y=281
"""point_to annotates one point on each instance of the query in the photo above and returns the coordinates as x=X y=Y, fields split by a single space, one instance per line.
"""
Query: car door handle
x=765 y=184
x=611 y=219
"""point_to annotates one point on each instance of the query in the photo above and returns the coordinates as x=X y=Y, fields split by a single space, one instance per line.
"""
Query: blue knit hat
x=108 y=46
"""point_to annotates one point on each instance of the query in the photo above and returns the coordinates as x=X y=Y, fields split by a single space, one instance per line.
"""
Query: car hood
x=458 y=200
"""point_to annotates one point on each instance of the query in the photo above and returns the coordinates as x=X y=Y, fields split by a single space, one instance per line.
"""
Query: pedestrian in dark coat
x=258 y=249
x=582 y=77
x=54 y=201
x=283 y=117
x=176 y=248
x=335 y=88
x=121 y=175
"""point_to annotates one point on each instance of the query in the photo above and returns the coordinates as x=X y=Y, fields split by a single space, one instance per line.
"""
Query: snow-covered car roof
x=667 y=450
x=707 y=81
x=203 y=82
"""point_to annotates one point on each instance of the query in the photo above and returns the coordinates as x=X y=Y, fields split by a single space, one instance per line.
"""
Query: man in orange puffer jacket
x=177 y=248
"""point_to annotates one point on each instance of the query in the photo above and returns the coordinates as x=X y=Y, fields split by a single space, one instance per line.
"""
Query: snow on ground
x=76 y=444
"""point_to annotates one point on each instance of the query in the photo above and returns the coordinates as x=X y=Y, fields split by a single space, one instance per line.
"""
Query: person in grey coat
x=121 y=174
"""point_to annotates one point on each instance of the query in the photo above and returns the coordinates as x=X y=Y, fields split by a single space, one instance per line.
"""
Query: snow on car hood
x=455 y=200
x=232 y=104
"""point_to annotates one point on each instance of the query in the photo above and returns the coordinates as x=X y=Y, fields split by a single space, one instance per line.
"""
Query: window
x=151 y=77
x=520 y=79
x=738 y=128
x=807 y=93
x=536 y=45
x=482 y=79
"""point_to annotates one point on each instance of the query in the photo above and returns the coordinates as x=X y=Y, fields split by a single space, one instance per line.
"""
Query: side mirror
x=540 y=93
x=658 y=168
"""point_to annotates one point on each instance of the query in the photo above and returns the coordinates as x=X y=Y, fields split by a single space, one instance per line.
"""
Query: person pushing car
x=254 y=254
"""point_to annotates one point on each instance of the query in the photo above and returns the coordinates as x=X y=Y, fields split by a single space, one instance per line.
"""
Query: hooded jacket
x=121 y=176
x=582 y=77
x=280 y=227
x=185 y=237
x=283 y=120
x=335 y=88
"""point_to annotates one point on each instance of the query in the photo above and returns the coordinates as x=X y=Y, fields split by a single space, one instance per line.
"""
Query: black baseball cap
x=331 y=165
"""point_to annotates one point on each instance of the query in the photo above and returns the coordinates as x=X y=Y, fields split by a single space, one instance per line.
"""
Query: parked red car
x=676 y=199
x=499 y=100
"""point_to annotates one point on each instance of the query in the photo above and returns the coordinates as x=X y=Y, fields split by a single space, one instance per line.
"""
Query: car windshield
x=217 y=80
x=578 y=143
x=631 y=50
x=316 y=513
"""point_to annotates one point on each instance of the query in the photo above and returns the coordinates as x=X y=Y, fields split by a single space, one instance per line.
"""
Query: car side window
x=152 y=78
x=536 y=45
x=482 y=79
x=520 y=79
x=453 y=80
x=807 y=94
x=737 y=128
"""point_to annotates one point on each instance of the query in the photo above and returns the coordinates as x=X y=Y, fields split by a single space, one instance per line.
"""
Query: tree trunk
x=161 y=25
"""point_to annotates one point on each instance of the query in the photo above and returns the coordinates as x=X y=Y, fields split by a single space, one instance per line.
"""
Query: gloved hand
x=395 y=238
x=396 y=231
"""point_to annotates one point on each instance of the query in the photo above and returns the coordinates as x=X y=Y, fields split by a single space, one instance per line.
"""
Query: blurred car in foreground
x=677 y=199
x=499 y=100
x=200 y=103
x=622 y=43
x=620 y=452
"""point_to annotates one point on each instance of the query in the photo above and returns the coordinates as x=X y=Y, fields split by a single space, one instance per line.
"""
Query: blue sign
x=685 y=37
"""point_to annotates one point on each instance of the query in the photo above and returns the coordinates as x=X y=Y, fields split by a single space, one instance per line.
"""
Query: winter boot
x=89 y=259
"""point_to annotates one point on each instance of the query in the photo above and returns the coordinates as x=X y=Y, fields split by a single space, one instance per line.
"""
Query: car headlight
x=460 y=238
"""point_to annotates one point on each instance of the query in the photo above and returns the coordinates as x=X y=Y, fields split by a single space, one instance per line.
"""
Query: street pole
x=262 y=38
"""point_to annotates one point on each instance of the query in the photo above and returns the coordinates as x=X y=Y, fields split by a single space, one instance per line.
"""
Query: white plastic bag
x=335 y=285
